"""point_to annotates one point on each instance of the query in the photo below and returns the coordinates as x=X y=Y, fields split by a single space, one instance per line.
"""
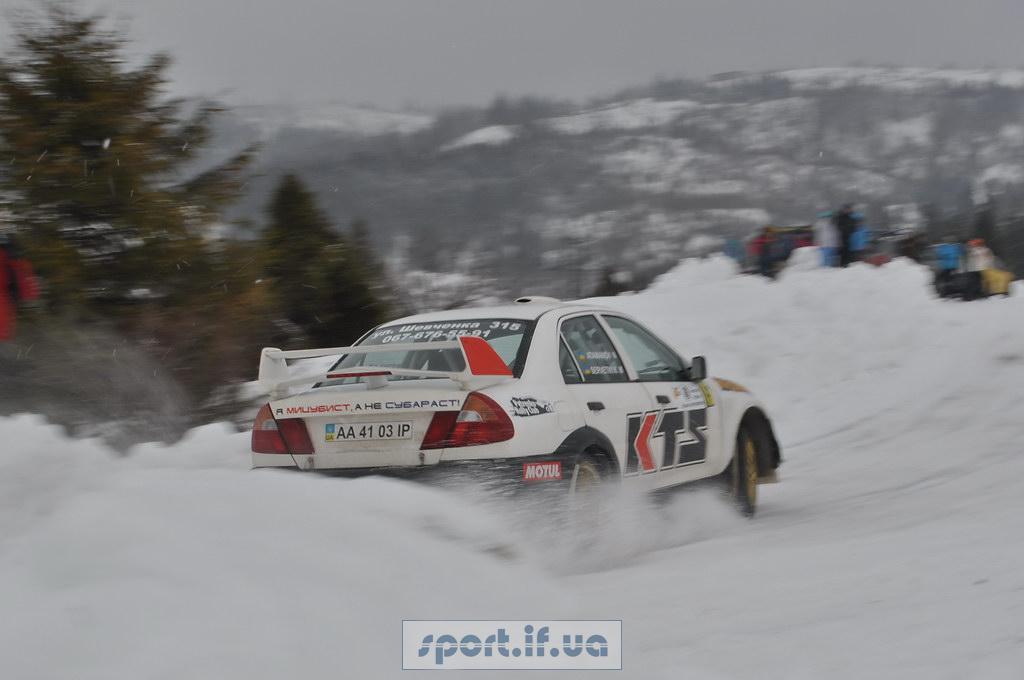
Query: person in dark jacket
x=17 y=284
x=846 y=225
x=764 y=248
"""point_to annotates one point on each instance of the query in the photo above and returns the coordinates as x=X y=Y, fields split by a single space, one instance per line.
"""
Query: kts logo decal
x=660 y=440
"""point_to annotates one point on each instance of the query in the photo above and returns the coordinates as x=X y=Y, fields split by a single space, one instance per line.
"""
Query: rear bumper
x=263 y=460
x=487 y=472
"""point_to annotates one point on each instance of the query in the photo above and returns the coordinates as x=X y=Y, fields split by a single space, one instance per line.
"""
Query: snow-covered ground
x=891 y=549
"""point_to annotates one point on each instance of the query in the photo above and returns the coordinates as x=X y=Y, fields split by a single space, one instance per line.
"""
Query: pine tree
x=93 y=158
x=347 y=304
x=323 y=281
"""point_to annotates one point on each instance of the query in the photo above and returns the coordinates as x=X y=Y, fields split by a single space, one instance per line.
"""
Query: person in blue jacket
x=860 y=241
x=734 y=250
x=949 y=255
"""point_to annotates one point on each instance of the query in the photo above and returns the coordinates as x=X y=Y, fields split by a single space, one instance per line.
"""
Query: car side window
x=593 y=351
x=570 y=374
x=653 y=361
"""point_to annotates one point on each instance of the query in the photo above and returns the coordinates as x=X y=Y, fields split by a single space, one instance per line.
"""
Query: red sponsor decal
x=643 y=441
x=542 y=471
x=482 y=358
x=320 y=408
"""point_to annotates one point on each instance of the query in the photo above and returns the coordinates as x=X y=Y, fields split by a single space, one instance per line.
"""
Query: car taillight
x=288 y=435
x=440 y=427
x=481 y=421
x=295 y=434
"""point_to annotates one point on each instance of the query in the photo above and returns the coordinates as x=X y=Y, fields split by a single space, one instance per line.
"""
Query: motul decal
x=542 y=471
x=670 y=438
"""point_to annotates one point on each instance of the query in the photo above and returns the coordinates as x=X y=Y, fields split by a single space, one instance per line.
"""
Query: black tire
x=743 y=473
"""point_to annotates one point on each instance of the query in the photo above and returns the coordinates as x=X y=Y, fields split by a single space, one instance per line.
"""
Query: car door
x=682 y=432
x=598 y=381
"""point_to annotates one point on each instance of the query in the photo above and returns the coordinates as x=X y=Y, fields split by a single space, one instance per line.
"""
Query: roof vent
x=528 y=299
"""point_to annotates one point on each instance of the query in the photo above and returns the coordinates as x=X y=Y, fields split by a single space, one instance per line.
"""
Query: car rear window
x=508 y=337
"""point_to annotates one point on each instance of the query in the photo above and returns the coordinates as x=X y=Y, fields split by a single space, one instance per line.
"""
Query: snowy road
x=893 y=548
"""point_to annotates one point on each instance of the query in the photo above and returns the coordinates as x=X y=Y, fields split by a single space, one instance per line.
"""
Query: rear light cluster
x=481 y=421
x=287 y=435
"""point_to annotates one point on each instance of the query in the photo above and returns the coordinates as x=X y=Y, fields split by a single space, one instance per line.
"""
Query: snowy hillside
x=331 y=117
x=498 y=194
x=890 y=549
x=904 y=79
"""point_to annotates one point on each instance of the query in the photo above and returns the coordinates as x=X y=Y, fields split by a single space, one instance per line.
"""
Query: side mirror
x=698 y=369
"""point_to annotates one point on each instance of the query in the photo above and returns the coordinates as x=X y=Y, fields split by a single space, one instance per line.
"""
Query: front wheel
x=743 y=474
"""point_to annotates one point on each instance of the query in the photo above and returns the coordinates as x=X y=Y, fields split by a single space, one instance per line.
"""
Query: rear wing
x=483 y=365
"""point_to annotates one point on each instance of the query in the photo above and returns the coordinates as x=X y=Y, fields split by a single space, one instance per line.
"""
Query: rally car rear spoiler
x=483 y=365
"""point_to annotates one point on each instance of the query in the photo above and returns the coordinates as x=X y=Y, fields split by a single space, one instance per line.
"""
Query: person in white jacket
x=826 y=237
x=979 y=256
x=979 y=259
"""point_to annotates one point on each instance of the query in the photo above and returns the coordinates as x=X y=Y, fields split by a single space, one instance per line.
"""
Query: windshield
x=505 y=336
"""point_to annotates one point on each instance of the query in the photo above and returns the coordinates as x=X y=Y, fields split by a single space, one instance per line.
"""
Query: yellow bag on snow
x=996 y=281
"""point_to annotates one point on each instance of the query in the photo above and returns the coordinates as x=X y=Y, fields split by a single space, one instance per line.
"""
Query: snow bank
x=888 y=550
x=179 y=562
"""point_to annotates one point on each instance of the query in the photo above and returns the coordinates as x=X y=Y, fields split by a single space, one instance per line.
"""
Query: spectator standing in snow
x=979 y=260
x=17 y=284
x=949 y=257
x=826 y=237
x=763 y=248
x=754 y=247
x=979 y=256
x=845 y=225
x=734 y=251
x=860 y=240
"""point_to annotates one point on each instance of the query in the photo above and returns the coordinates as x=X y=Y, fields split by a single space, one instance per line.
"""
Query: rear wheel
x=589 y=473
x=744 y=473
x=588 y=490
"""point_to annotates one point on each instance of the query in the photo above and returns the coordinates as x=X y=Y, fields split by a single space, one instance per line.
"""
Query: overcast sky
x=431 y=52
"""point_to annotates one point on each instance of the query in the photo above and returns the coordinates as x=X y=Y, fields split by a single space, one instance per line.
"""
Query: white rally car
x=539 y=392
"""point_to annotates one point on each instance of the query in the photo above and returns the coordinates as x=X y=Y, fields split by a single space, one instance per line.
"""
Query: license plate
x=362 y=432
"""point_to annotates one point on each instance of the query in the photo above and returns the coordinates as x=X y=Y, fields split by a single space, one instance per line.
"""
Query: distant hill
x=545 y=197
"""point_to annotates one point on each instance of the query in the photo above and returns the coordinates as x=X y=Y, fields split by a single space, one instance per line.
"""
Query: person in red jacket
x=17 y=284
x=762 y=250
